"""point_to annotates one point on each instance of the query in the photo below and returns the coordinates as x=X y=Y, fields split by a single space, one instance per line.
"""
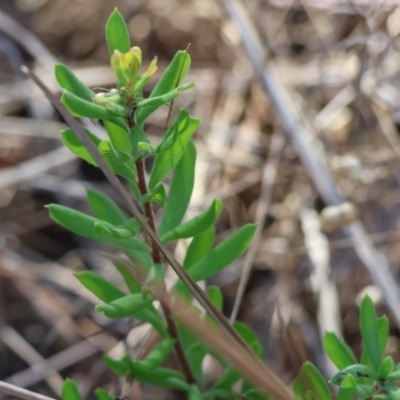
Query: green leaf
x=357 y=371
x=255 y=394
x=76 y=146
x=159 y=355
x=119 y=367
x=126 y=306
x=180 y=191
x=170 y=79
x=83 y=108
x=138 y=135
x=119 y=137
x=159 y=377
x=250 y=338
x=83 y=225
x=370 y=332
x=68 y=80
x=393 y=392
x=99 y=286
x=318 y=383
x=195 y=355
x=383 y=333
x=128 y=229
x=338 y=351
x=196 y=225
x=117 y=33
x=215 y=295
x=386 y=367
x=199 y=246
x=133 y=285
x=227 y=380
x=393 y=376
x=104 y=208
x=127 y=170
x=157 y=195
x=194 y=393
x=70 y=391
x=364 y=392
x=102 y=394
x=223 y=254
x=153 y=103
x=347 y=388
x=168 y=159
x=218 y=394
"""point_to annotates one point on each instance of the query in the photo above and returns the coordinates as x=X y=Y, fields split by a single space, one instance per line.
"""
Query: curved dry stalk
x=21 y=393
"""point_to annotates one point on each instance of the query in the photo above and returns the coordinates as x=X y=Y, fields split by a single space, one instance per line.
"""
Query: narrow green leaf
x=127 y=170
x=250 y=338
x=76 y=146
x=105 y=208
x=319 y=385
x=393 y=392
x=70 y=391
x=393 y=376
x=159 y=355
x=167 y=160
x=133 y=285
x=196 y=225
x=126 y=306
x=338 y=351
x=158 y=195
x=386 y=367
x=223 y=394
x=255 y=394
x=195 y=355
x=383 y=333
x=84 y=225
x=180 y=191
x=159 y=377
x=215 y=295
x=102 y=394
x=227 y=380
x=119 y=137
x=347 y=388
x=299 y=387
x=100 y=287
x=369 y=332
x=153 y=103
x=138 y=135
x=117 y=33
x=199 y=246
x=170 y=79
x=126 y=230
x=357 y=371
x=83 y=108
x=194 y=393
x=223 y=254
x=119 y=367
x=364 y=392
x=68 y=80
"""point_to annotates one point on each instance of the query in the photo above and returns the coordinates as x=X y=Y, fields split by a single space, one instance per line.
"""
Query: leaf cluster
x=372 y=377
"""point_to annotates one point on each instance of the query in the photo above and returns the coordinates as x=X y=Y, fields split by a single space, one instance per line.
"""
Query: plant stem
x=172 y=329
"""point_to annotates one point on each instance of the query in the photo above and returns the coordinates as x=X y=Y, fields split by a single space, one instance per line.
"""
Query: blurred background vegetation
x=338 y=60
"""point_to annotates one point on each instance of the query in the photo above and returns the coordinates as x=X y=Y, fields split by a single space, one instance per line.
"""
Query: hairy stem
x=172 y=329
